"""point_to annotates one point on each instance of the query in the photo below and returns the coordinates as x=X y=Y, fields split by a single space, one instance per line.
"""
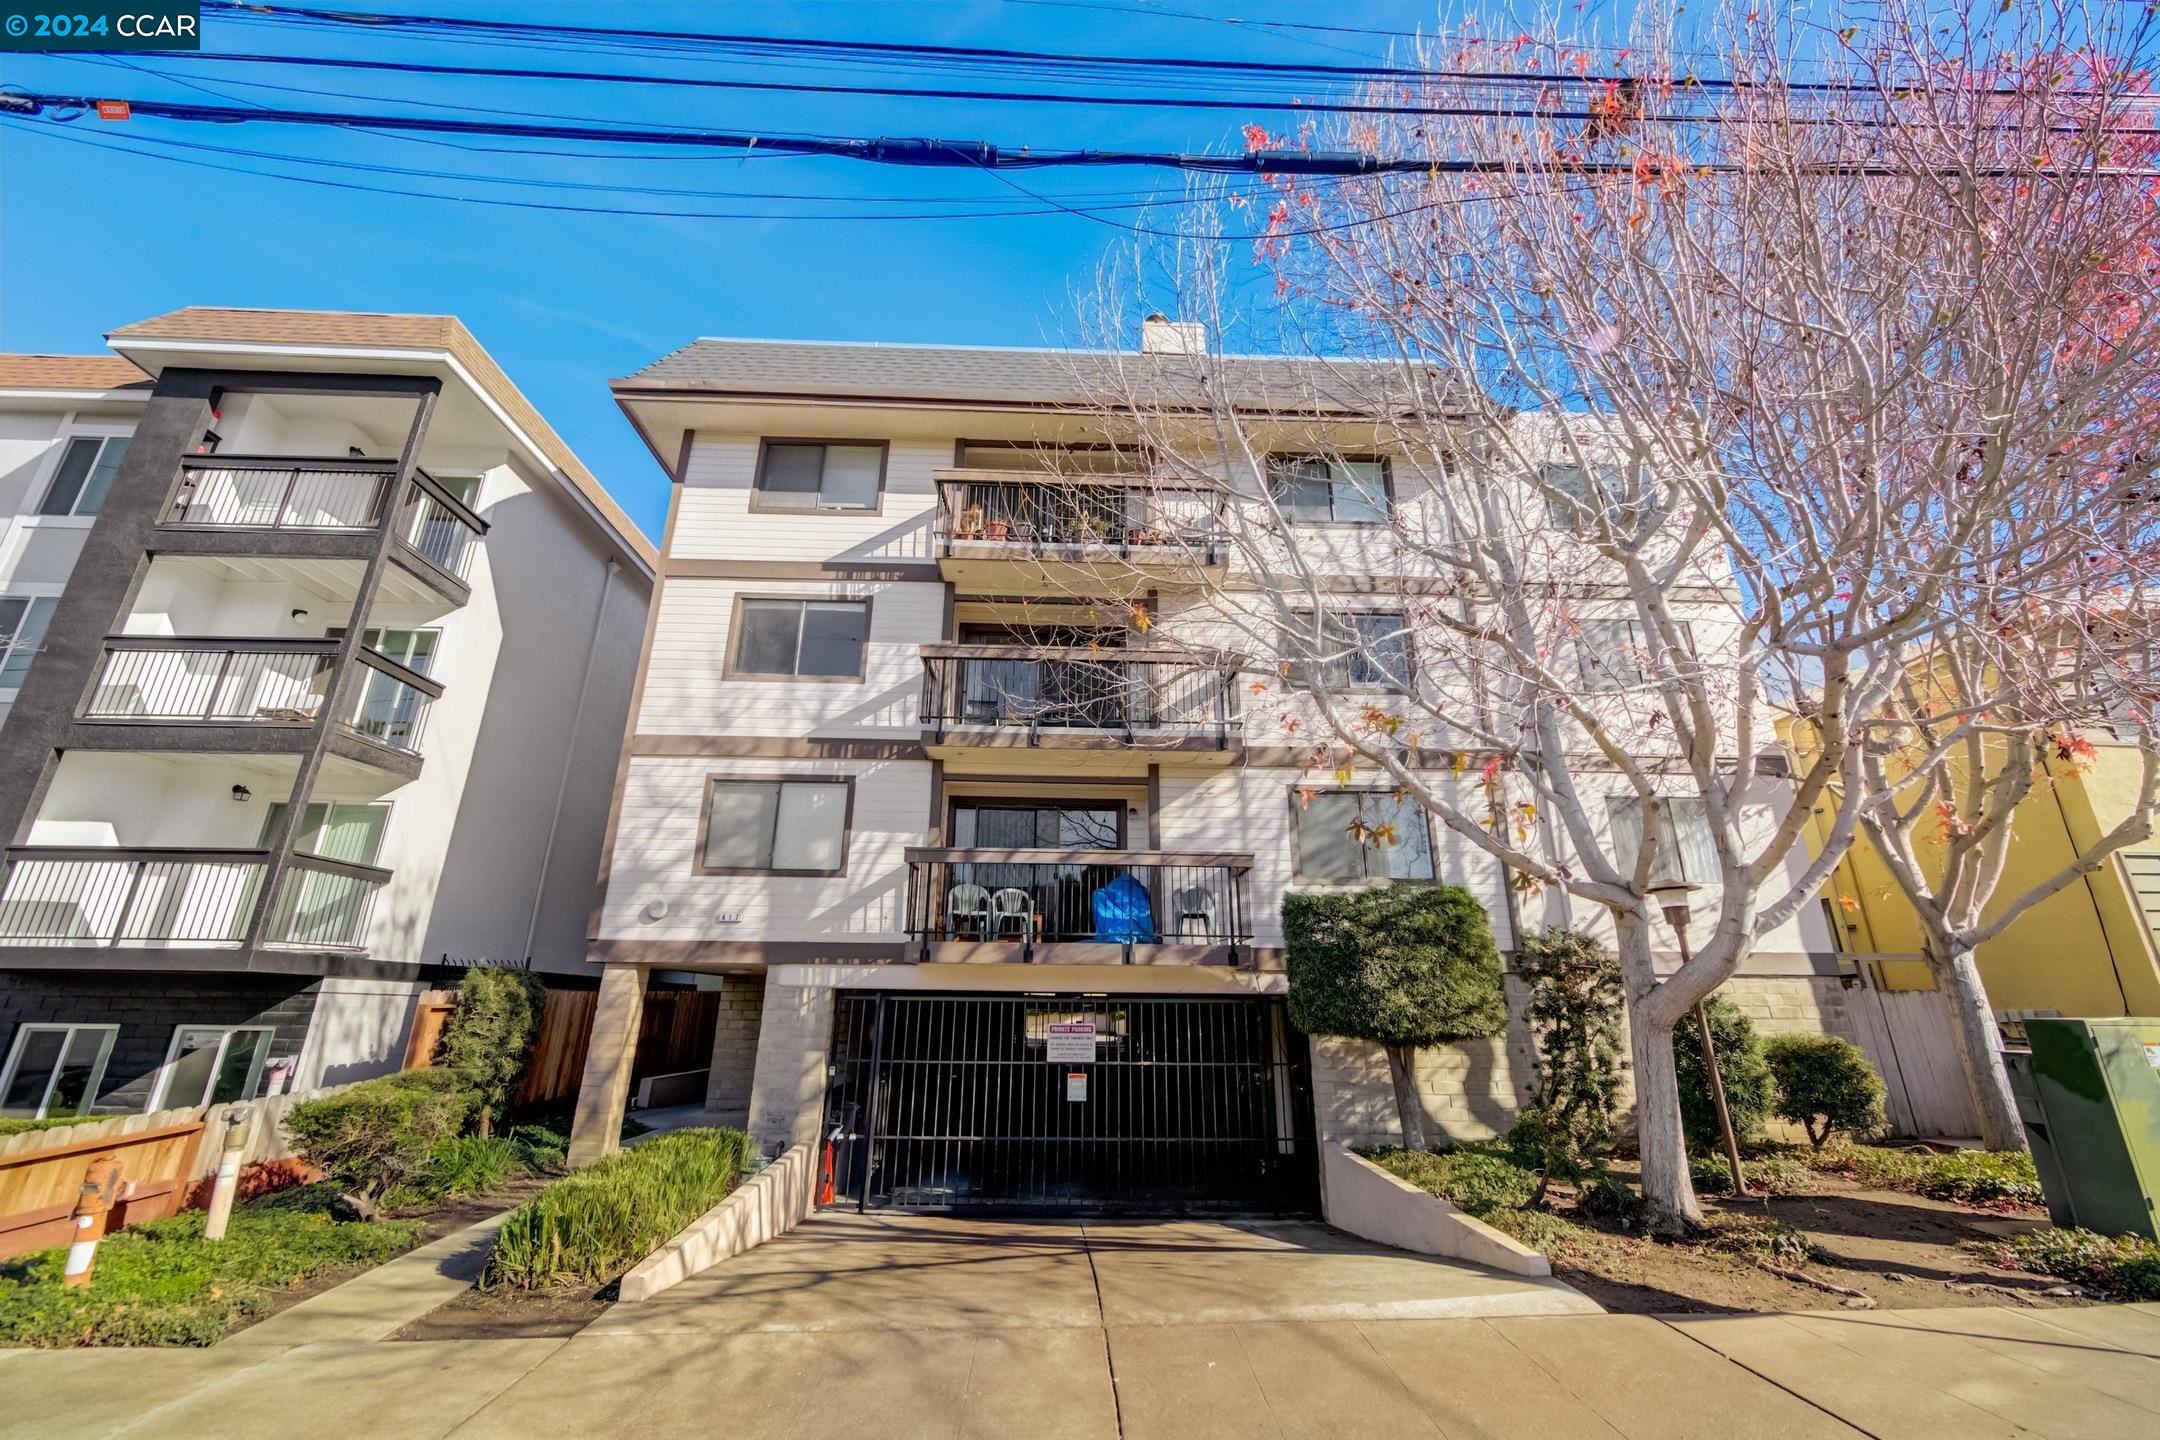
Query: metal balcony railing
x=436 y=526
x=325 y=904
x=1132 y=694
x=390 y=703
x=1028 y=898
x=280 y=492
x=60 y=895
x=1077 y=515
x=222 y=681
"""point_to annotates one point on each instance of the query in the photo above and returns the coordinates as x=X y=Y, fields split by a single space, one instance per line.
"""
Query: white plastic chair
x=967 y=904
x=1195 y=902
x=1012 y=903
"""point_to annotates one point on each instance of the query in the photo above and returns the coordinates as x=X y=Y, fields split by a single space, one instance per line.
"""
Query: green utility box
x=2089 y=1094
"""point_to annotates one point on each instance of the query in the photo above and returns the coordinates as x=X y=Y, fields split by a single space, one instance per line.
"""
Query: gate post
x=870 y=1109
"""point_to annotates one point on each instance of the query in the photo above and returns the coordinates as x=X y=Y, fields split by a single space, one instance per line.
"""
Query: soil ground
x=511 y=1315
x=1903 y=1252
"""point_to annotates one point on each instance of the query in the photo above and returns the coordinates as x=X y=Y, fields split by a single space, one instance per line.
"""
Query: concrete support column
x=787 y=1097
x=604 y=1092
x=734 y=1050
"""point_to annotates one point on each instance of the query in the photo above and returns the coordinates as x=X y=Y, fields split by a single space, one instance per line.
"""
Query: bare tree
x=1704 y=409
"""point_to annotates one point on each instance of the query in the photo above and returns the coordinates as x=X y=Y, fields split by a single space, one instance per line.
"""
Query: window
x=23 y=619
x=1610 y=654
x=54 y=1069
x=1361 y=835
x=1629 y=496
x=86 y=472
x=1316 y=489
x=796 y=827
x=1021 y=826
x=212 y=1065
x=812 y=475
x=1685 y=851
x=1348 y=651
x=820 y=639
x=335 y=831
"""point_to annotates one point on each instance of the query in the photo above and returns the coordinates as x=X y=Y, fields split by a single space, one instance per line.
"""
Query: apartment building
x=316 y=645
x=999 y=871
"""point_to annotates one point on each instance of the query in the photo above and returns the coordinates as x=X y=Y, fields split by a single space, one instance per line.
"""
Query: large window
x=1320 y=489
x=86 y=473
x=1582 y=495
x=1686 y=853
x=782 y=827
x=1349 y=651
x=816 y=475
x=1361 y=835
x=1020 y=826
x=821 y=639
x=23 y=619
x=54 y=1069
x=212 y=1065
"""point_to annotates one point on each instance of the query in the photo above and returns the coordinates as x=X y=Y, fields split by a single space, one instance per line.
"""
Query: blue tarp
x=1123 y=913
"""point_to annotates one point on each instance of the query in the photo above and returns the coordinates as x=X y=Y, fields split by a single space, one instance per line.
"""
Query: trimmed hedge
x=592 y=1225
x=1749 y=1090
x=378 y=1136
x=1826 y=1086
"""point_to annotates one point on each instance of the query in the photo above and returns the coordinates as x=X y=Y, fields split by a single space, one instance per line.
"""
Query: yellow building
x=2091 y=949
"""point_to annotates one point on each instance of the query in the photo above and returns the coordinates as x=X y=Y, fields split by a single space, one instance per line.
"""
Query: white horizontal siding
x=657 y=841
x=687 y=691
x=714 y=521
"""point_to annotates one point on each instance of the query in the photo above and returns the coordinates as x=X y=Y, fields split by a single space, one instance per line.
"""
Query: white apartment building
x=315 y=648
x=1001 y=875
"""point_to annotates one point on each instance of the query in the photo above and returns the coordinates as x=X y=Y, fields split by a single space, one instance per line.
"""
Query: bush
x=489 y=1035
x=1484 y=1180
x=377 y=1135
x=1405 y=965
x=1826 y=1086
x=1749 y=1090
x=1967 y=1177
x=595 y=1223
x=1574 y=1016
x=15 y=1125
x=540 y=1148
x=1766 y=1174
x=457 y=1166
x=2125 y=1268
x=163 y=1284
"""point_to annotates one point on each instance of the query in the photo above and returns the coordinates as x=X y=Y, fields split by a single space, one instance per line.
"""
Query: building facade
x=315 y=648
x=911 y=766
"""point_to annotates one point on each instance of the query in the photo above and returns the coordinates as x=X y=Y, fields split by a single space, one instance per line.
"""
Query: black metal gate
x=954 y=1102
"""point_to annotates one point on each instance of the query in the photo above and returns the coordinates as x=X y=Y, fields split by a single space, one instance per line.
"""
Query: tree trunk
x=1669 y=1204
x=484 y=1121
x=1957 y=975
x=1409 y=1109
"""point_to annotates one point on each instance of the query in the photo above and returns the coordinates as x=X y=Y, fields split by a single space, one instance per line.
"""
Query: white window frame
x=71 y=430
x=32 y=593
x=158 y=1098
x=97 y=1071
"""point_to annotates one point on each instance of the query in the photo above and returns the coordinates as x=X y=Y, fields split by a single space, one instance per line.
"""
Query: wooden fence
x=675 y=1032
x=167 y=1159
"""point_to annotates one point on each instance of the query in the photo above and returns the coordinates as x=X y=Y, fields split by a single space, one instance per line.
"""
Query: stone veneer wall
x=735 y=1048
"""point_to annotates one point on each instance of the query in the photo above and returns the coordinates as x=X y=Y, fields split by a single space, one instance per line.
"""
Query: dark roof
x=1017 y=376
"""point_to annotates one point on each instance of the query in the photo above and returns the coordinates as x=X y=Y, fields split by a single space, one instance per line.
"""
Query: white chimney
x=1160 y=335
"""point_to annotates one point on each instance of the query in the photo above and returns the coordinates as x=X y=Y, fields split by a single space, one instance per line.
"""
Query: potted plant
x=997 y=529
x=1146 y=535
x=971 y=523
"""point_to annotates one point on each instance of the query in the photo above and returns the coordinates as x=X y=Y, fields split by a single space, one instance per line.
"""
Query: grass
x=1484 y=1180
x=163 y=1284
x=1967 y=1177
x=592 y=1225
x=1770 y=1173
x=2124 y=1268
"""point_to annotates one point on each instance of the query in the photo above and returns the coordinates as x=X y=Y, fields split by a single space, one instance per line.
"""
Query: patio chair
x=967 y=905
x=1194 y=902
x=1011 y=903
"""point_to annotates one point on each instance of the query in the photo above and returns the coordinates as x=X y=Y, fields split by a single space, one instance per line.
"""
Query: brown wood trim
x=1229 y=860
x=1135 y=655
x=731 y=671
x=626 y=392
x=770 y=747
x=937 y=832
x=757 y=476
x=1154 y=807
x=1084 y=952
x=919 y=571
x=705 y=791
x=690 y=954
x=681 y=473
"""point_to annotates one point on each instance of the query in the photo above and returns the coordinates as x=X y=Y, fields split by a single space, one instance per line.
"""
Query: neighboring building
x=315 y=648
x=934 y=809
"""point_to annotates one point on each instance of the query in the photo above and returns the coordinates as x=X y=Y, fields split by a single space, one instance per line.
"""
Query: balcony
x=1001 y=533
x=258 y=685
x=320 y=508
x=180 y=899
x=1079 y=906
x=1109 y=712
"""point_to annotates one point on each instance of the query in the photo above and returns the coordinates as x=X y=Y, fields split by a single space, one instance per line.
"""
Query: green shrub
x=1767 y=1239
x=1749 y=1090
x=540 y=1148
x=1613 y=1201
x=1826 y=1086
x=457 y=1166
x=1968 y=1177
x=378 y=1135
x=2125 y=1268
x=1773 y=1174
x=1574 y=1017
x=1485 y=1180
x=17 y=1125
x=1405 y=965
x=595 y=1223
x=489 y=1035
x=163 y=1284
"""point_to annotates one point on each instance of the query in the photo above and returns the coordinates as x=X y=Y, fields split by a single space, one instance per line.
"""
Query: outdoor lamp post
x=1673 y=896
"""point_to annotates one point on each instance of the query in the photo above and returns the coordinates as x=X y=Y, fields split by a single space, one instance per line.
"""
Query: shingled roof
x=69 y=372
x=1020 y=377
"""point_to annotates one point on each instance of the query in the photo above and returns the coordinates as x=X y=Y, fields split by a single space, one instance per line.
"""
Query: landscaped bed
x=1822 y=1229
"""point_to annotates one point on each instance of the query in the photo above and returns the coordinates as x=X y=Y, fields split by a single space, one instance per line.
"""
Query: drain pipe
x=577 y=724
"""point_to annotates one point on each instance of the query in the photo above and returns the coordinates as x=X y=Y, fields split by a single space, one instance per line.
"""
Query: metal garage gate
x=964 y=1101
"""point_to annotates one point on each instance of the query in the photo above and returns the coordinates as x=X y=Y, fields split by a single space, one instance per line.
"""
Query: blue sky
x=92 y=237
